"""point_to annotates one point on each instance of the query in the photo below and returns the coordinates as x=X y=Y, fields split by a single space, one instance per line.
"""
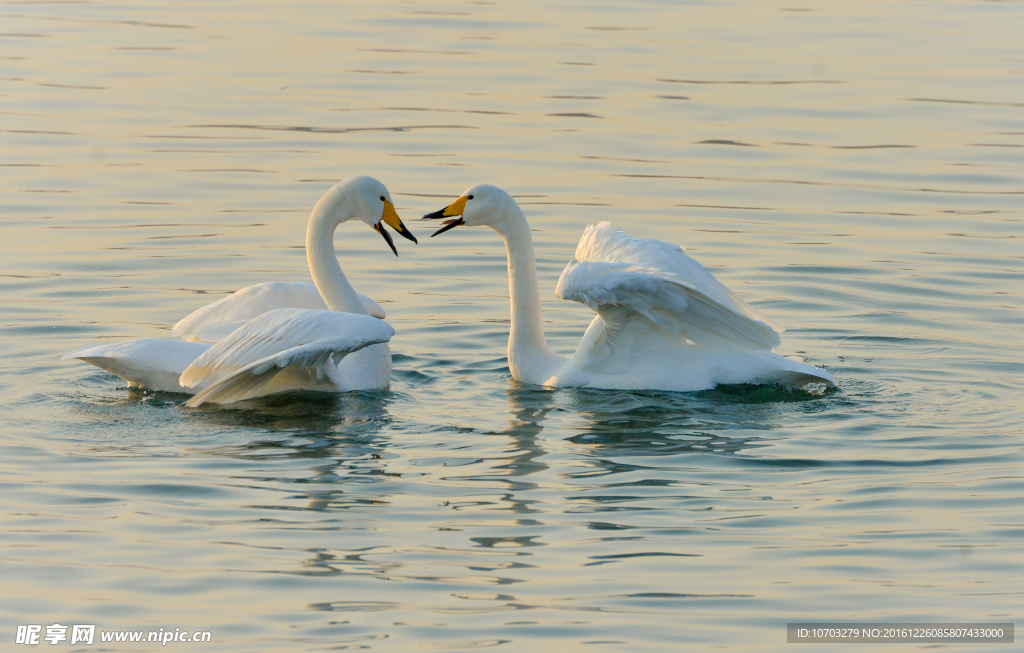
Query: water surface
x=852 y=169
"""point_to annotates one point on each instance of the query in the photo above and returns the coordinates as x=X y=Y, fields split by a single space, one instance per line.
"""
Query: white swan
x=663 y=322
x=276 y=336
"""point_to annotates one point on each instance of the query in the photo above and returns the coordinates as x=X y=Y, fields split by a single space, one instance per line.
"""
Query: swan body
x=663 y=322
x=276 y=336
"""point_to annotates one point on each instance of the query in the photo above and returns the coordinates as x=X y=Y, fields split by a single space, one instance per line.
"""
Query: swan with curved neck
x=361 y=197
x=663 y=322
x=276 y=336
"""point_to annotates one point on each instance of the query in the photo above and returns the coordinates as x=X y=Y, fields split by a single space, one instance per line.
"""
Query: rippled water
x=853 y=169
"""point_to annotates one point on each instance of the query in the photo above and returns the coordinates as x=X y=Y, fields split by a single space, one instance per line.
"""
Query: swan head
x=367 y=199
x=482 y=205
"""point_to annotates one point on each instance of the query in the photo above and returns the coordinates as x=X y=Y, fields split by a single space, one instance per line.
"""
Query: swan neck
x=334 y=287
x=526 y=337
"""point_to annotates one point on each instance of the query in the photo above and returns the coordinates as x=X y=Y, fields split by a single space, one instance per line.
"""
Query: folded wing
x=301 y=342
x=209 y=323
x=621 y=277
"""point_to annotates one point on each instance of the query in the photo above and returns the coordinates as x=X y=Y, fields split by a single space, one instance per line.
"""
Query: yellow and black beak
x=390 y=217
x=456 y=208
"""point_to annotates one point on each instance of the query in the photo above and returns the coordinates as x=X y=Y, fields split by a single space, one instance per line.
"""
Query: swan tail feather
x=154 y=363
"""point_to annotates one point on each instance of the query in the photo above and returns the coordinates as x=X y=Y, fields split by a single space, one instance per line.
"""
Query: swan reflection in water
x=340 y=428
x=728 y=419
x=319 y=462
x=339 y=435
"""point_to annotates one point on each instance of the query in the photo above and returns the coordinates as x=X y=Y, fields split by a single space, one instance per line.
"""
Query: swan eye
x=382 y=199
x=469 y=197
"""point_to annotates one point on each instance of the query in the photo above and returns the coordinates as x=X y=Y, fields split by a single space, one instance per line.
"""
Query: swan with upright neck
x=663 y=322
x=276 y=336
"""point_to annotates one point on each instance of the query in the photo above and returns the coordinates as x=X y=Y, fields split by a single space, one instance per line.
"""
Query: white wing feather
x=616 y=275
x=304 y=340
x=205 y=323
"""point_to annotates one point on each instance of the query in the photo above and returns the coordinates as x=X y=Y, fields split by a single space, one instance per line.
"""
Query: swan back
x=208 y=323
